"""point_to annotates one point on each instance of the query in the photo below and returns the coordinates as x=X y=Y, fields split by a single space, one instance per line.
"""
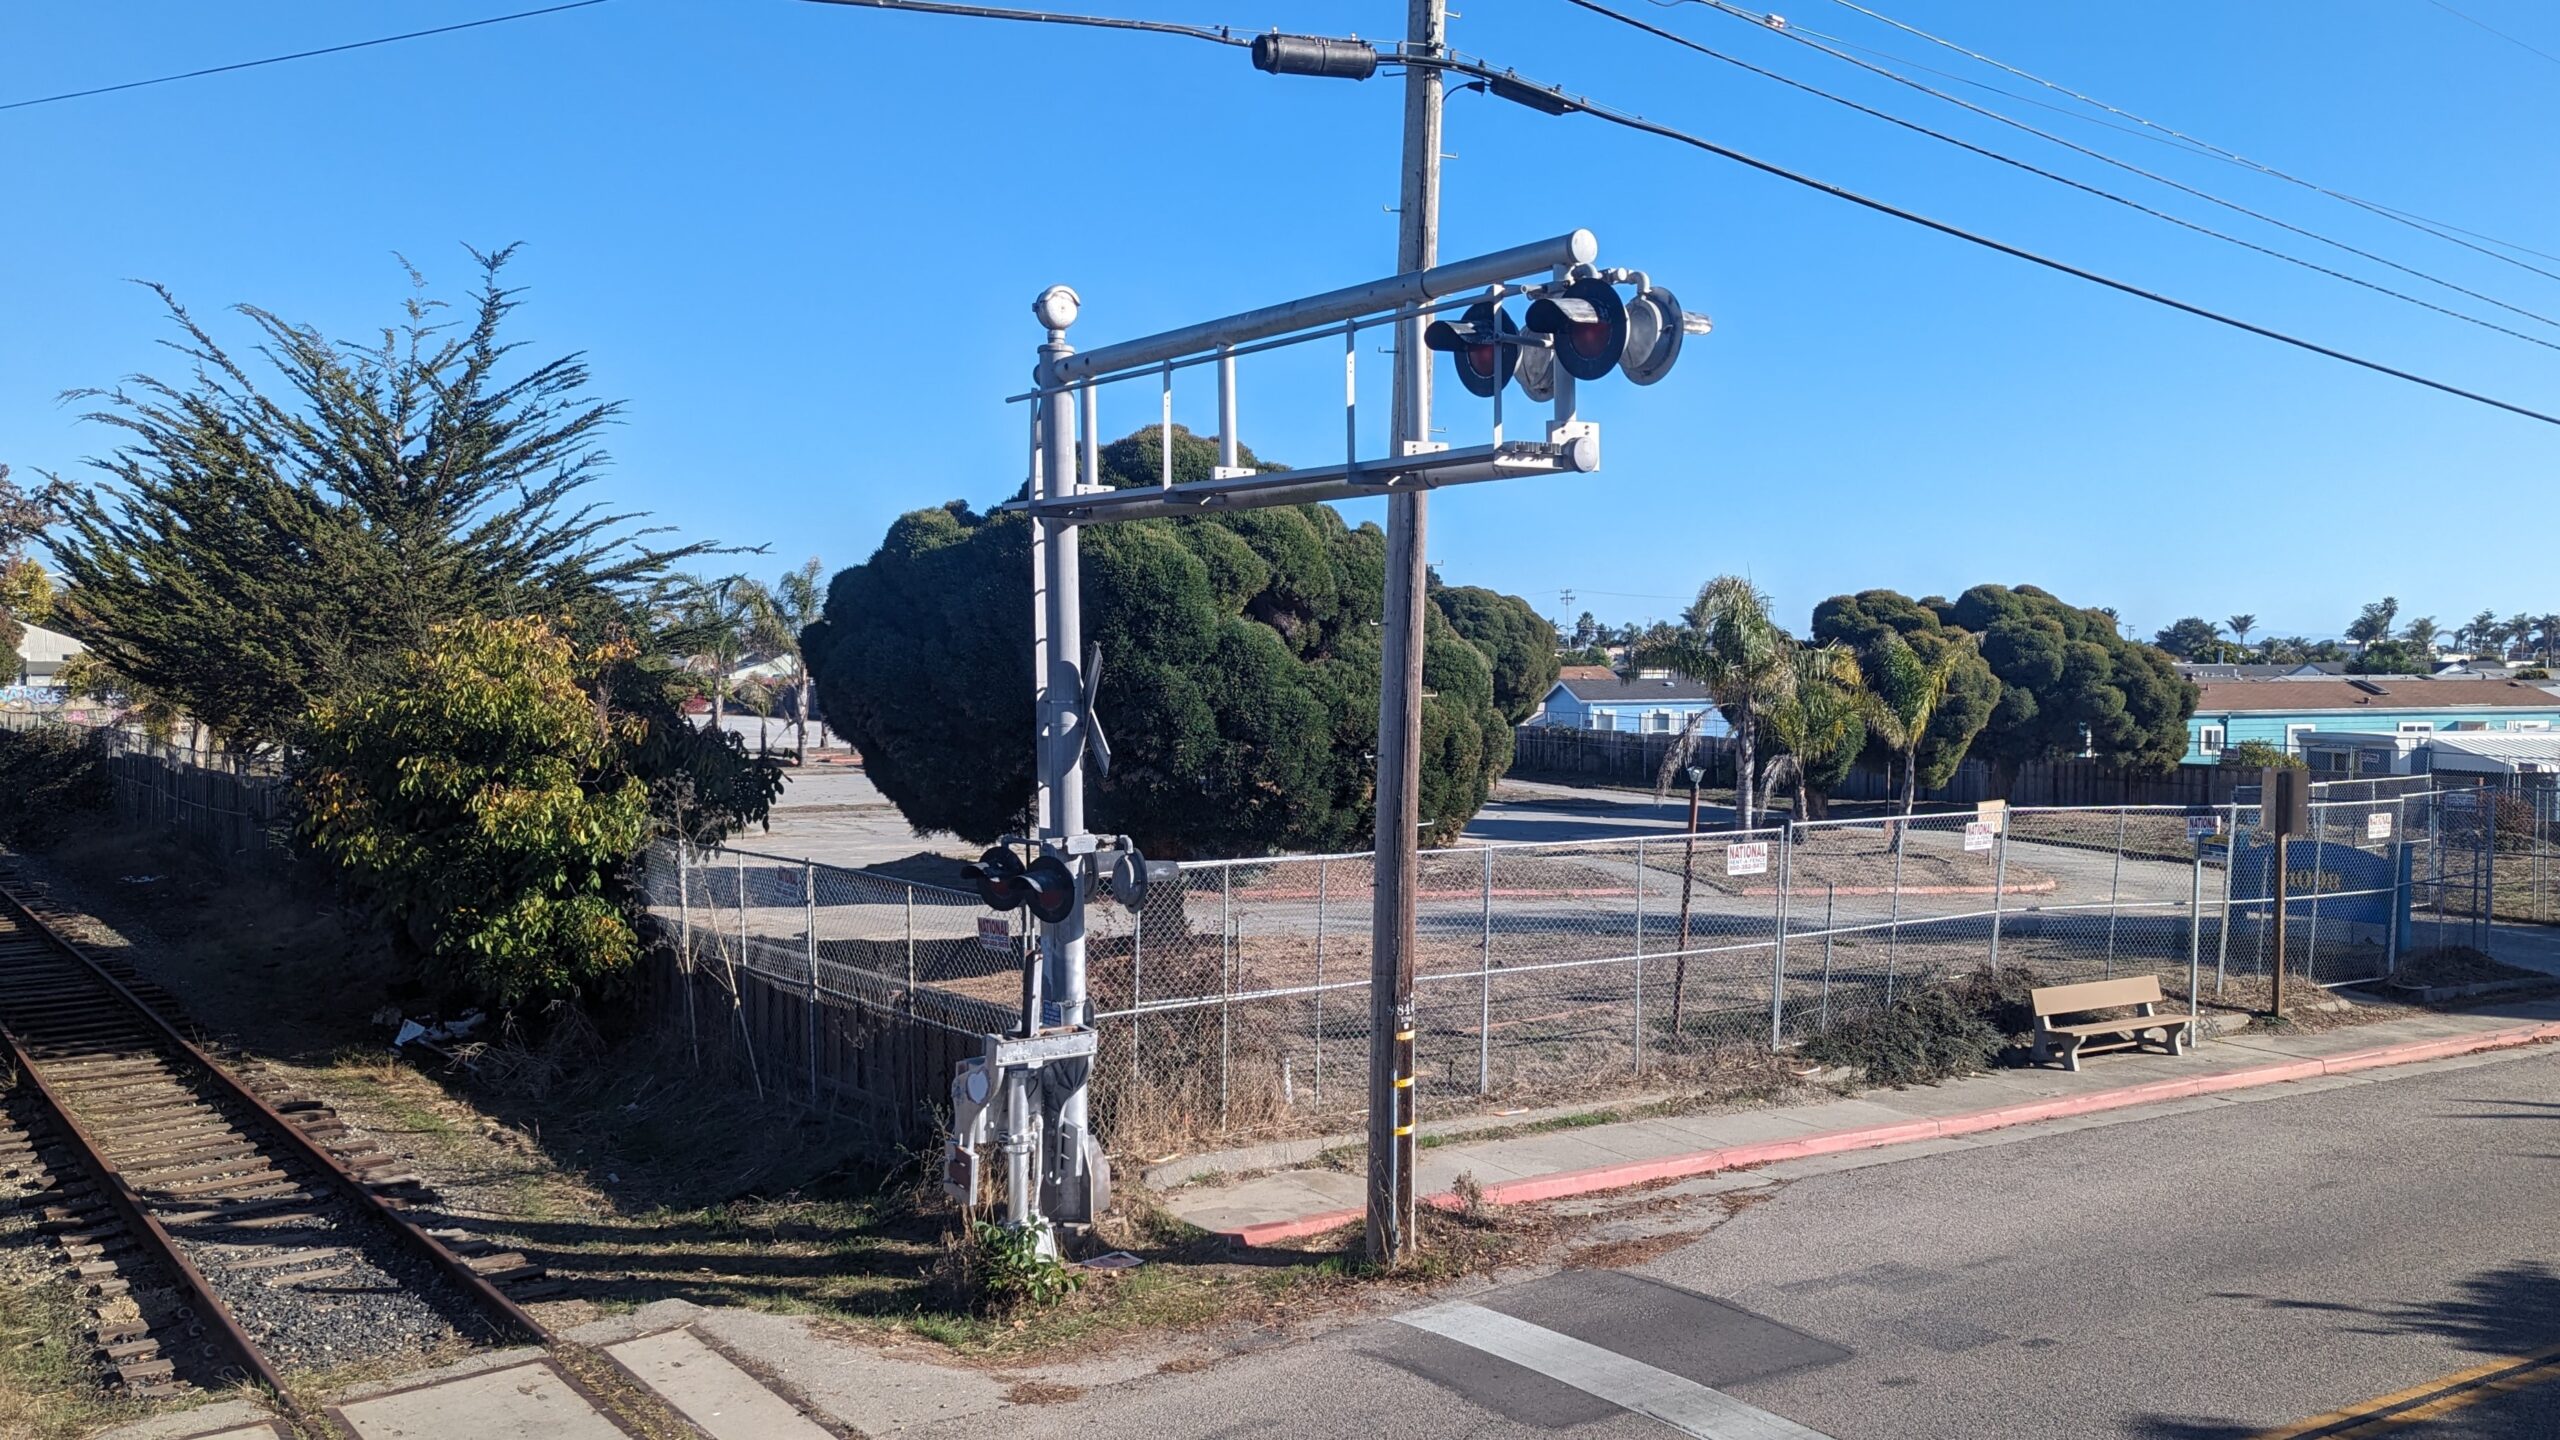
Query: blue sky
x=800 y=241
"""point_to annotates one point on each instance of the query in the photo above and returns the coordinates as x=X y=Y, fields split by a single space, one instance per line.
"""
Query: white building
x=41 y=655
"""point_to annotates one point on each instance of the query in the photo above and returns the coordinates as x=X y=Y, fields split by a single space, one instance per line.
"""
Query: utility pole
x=1391 y=1019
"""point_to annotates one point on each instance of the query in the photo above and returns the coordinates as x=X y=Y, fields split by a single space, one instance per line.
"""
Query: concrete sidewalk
x=1262 y=1206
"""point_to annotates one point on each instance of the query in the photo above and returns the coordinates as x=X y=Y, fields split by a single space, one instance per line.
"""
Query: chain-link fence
x=1237 y=1000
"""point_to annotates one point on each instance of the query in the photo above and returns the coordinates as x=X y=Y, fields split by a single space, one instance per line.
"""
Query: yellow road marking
x=2428 y=1399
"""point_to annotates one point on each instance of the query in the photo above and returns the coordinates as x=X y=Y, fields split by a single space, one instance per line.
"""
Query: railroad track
x=224 y=1229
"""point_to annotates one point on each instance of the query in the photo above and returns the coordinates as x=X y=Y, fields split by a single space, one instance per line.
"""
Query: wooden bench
x=2175 y=1032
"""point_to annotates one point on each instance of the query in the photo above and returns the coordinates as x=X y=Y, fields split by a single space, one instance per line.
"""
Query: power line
x=1550 y=96
x=2409 y=218
x=1552 y=100
x=2494 y=30
x=1989 y=154
x=297 y=55
x=1817 y=42
x=1219 y=34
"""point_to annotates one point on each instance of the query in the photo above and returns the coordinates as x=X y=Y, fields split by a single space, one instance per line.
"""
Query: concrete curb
x=1872 y=1137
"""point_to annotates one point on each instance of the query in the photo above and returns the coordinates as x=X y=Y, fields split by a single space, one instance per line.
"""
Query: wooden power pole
x=1391 y=930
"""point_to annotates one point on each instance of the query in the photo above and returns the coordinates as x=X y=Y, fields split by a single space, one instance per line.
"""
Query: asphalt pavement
x=2203 y=1271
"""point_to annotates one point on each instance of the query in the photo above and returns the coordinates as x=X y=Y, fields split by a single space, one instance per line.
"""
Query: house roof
x=2382 y=692
x=1586 y=672
x=42 y=646
x=2200 y=671
x=1611 y=690
x=2493 y=750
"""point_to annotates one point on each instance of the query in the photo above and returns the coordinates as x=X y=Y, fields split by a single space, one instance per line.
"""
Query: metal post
x=1060 y=769
x=1137 y=990
x=1688 y=878
x=1828 y=897
x=1893 y=918
x=2230 y=868
x=2319 y=869
x=1999 y=885
x=1484 y=1004
x=737 y=990
x=2115 y=888
x=1639 y=995
x=911 y=949
x=1226 y=986
x=684 y=958
x=1778 y=957
x=2281 y=888
x=2397 y=851
x=1322 y=867
x=1229 y=451
x=2195 y=929
x=809 y=929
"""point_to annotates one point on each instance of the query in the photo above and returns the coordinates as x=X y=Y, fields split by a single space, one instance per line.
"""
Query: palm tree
x=2373 y=623
x=719 y=619
x=2423 y=632
x=776 y=616
x=1822 y=718
x=2547 y=634
x=2484 y=633
x=1908 y=688
x=2241 y=625
x=2520 y=628
x=1729 y=645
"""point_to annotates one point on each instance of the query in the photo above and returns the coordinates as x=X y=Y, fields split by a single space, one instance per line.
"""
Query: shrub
x=1007 y=1269
x=1934 y=1030
x=46 y=777
x=2257 y=755
x=480 y=806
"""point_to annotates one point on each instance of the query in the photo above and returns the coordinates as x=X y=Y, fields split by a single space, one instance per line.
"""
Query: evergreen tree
x=263 y=544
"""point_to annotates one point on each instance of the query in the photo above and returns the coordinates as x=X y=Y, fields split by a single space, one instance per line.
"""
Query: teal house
x=2280 y=712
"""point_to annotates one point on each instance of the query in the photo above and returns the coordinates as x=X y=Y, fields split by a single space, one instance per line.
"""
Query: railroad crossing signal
x=1045 y=885
x=1582 y=326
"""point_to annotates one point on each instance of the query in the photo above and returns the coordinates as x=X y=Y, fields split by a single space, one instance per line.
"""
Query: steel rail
x=147 y=1230
x=290 y=1136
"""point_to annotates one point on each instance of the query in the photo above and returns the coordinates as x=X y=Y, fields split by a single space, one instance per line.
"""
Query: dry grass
x=2458 y=965
x=605 y=1155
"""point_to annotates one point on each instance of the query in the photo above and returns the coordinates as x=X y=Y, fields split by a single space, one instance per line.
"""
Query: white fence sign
x=995 y=932
x=1751 y=857
x=2377 y=826
x=2199 y=826
x=1978 y=833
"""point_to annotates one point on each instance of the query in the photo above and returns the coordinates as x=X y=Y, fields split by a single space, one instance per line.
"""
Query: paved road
x=2210 y=1271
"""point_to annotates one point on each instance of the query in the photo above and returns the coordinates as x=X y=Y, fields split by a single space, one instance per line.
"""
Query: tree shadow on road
x=2511 y=1310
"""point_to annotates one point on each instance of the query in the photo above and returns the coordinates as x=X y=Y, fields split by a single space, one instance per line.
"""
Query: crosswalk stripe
x=1683 y=1404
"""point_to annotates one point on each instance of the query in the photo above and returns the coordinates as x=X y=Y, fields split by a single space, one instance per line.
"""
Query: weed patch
x=1937 y=1029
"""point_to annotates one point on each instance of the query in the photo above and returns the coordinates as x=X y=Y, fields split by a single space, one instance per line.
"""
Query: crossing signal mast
x=1541 y=314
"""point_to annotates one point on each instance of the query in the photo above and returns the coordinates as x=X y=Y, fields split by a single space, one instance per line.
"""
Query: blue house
x=1649 y=702
x=2281 y=712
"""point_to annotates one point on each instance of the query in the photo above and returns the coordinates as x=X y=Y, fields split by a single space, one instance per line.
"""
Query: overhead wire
x=1630 y=121
x=1759 y=21
x=1219 y=34
x=1552 y=99
x=2410 y=218
x=2182 y=222
x=297 y=55
x=2494 y=30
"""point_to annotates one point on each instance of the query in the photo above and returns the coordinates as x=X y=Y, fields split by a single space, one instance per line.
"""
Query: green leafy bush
x=1009 y=1270
x=46 y=777
x=482 y=805
x=2257 y=755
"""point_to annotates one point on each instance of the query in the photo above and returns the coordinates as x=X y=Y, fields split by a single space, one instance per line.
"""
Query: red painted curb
x=1904 y=1132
